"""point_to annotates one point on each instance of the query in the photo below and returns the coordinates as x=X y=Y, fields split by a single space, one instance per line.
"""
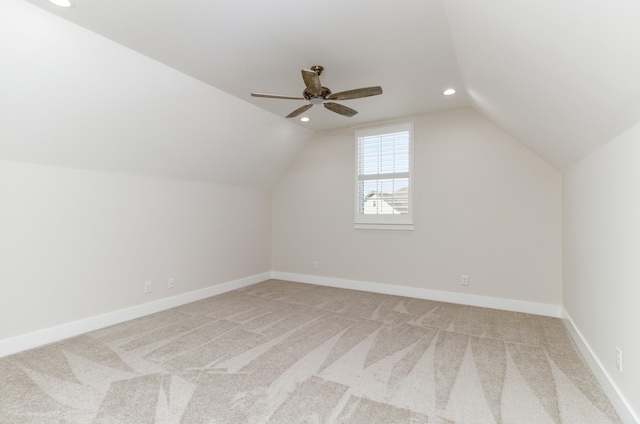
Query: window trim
x=403 y=222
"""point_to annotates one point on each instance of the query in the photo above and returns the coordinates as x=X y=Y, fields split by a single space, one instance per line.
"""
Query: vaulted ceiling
x=560 y=76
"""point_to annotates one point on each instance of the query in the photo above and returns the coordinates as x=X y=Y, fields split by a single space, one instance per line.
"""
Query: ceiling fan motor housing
x=317 y=100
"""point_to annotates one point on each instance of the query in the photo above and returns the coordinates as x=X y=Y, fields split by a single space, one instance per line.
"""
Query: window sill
x=396 y=227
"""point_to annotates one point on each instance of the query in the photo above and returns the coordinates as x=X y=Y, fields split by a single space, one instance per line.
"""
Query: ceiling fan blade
x=299 y=111
x=340 y=109
x=356 y=94
x=276 y=96
x=312 y=81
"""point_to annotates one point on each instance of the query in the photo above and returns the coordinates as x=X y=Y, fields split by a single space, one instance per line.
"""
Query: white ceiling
x=260 y=46
x=561 y=77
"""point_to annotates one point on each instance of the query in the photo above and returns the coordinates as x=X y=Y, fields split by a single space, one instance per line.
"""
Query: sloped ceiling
x=71 y=98
x=561 y=77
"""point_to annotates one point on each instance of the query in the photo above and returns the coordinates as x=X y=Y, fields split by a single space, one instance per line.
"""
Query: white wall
x=601 y=228
x=484 y=206
x=76 y=244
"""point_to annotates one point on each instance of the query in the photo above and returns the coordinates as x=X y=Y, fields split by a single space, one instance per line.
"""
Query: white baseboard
x=64 y=331
x=622 y=407
x=619 y=402
x=442 y=296
x=53 y=334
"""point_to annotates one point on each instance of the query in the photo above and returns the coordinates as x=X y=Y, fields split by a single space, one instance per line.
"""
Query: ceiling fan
x=316 y=94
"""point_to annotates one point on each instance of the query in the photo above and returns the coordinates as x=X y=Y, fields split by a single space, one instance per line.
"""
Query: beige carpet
x=281 y=352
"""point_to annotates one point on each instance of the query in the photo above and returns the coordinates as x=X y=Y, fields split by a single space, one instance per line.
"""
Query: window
x=383 y=177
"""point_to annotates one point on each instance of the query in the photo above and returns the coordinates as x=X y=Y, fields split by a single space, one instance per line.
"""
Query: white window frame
x=383 y=221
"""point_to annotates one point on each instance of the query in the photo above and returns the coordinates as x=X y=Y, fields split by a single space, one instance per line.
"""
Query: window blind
x=383 y=180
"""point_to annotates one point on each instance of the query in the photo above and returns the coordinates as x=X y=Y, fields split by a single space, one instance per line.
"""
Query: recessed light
x=304 y=119
x=62 y=3
x=449 y=91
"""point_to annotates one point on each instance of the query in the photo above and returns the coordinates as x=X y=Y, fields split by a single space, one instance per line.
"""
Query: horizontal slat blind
x=383 y=171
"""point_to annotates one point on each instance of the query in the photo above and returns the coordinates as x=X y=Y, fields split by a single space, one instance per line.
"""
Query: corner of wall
x=618 y=400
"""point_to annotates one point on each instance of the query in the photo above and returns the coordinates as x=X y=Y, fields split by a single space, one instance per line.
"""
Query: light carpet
x=282 y=352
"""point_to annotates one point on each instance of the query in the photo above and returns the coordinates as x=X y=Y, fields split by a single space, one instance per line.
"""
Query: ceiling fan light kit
x=316 y=94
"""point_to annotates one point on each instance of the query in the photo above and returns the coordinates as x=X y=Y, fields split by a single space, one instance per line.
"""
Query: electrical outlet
x=171 y=283
x=619 y=359
x=147 y=287
x=314 y=265
x=464 y=280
